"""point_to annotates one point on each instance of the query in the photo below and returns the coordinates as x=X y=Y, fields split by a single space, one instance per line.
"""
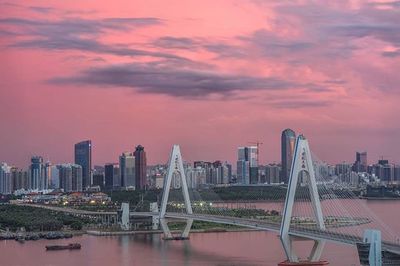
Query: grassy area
x=37 y=219
x=200 y=225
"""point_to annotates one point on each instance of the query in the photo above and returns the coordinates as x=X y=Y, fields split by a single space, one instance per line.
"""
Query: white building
x=5 y=179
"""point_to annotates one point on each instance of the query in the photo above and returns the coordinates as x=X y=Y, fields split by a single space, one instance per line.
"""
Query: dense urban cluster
x=131 y=172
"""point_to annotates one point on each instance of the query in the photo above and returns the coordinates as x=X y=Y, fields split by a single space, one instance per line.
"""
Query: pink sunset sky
x=208 y=75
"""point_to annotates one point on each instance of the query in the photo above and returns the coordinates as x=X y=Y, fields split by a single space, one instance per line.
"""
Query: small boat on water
x=62 y=247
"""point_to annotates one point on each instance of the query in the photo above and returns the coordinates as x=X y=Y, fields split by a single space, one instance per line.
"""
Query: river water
x=220 y=249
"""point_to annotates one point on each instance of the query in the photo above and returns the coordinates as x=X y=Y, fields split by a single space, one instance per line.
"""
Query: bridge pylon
x=302 y=162
x=175 y=167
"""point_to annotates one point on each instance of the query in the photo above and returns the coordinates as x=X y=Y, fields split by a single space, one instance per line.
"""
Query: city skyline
x=180 y=75
x=357 y=156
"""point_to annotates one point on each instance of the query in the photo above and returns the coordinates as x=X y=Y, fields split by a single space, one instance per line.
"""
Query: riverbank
x=27 y=236
x=152 y=232
x=380 y=198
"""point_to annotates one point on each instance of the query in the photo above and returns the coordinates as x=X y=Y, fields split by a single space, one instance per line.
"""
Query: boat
x=62 y=247
x=20 y=239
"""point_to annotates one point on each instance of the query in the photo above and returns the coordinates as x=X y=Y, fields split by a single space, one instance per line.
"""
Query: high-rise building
x=112 y=176
x=343 y=171
x=47 y=174
x=77 y=180
x=98 y=176
x=5 y=179
x=83 y=157
x=242 y=167
x=288 y=140
x=19 y=179
x=98 y=180
x=195 y=176
x=37 y=173
x=361 y=163
x=70 y=177
x=65 y=173
x=140 y=167
x=396 y=173
x=272 y=173
x=247 y=165
x=127 y=168
x=54 y=177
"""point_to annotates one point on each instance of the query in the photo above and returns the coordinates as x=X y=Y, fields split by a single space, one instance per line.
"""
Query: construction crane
x=257 y=143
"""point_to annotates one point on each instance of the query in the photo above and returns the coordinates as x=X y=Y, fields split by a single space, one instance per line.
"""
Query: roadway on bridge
x=301 y=232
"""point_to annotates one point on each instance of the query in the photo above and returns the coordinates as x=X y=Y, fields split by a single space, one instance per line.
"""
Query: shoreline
x=379 y=198
x=153 y=232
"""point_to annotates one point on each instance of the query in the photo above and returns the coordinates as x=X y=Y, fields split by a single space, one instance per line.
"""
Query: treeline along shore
x=31 y=219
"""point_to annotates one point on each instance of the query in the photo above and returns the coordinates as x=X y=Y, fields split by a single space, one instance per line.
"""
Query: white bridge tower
x=302 y=162
x=175 y=167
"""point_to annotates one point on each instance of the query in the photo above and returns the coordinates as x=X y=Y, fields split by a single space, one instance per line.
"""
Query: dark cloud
x=92 y=46
x=299 y=104
x=41 y=9
x=385 y=32
x=78 y=26
x=274 y=46
x=336 y=81
x=177 y=82
x=170 y=42
x=393 y=4
x=220 y=48
x=81 y=34
x=391 y=53
x=224 y=50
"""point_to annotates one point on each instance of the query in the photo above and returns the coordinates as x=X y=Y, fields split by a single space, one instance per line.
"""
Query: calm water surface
x=222 y=249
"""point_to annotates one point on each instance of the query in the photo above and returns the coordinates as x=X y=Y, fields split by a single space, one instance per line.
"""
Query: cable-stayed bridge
x=308 y=208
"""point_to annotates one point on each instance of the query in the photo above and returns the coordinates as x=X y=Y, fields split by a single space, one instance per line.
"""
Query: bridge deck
x=301 y=232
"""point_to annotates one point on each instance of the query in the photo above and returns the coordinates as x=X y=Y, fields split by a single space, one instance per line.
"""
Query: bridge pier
x=370 y=250
x=304 y=263
x=168 y=234
x=123 y=216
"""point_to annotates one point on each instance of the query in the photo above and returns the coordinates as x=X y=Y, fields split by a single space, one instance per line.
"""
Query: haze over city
x=210 y=76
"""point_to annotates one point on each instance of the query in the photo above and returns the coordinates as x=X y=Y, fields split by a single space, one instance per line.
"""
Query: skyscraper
x=127 y=168
x=83 y=157
x=361 y=163
x=253 y=163
x=140 y=167
x=19 y=178
x=70 y=176
x=247 y=165
x=112 y=176
x=242 y=167
x=47 y=174
x=288 y=140
x=5 y=179
x=54 y=177
x=37 y=173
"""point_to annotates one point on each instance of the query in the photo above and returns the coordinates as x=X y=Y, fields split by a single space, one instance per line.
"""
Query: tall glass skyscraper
x=140 y=167
x=5 y=179
x=83 y=157
x=361 y=162
x=247 y=165
x=288 y=141
x=127 y=166
x=37 y=173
